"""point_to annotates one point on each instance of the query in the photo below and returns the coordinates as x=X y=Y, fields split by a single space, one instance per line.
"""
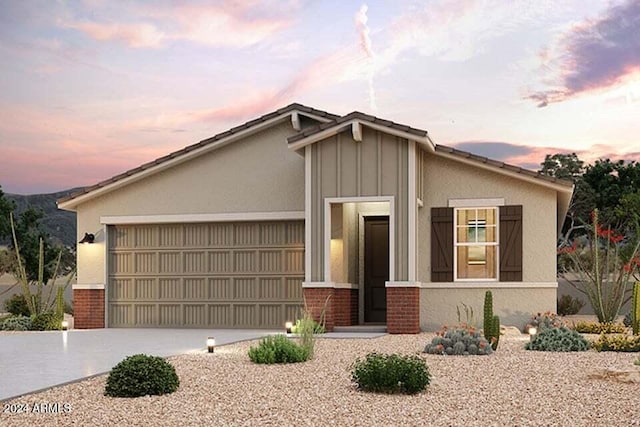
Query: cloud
x=594 y=55
x=360 y=20
x=140 y=35
x=221 y=24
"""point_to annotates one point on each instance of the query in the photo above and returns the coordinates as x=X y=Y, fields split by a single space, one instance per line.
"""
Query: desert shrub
x=558 y=339
x=47 y=321
x=391 y=373
x=316 y=327
x=567 y=305
x=599 y=328
x=16 y=323
x=625 y=343
x=278 y=349
x=544 y=321
x=462 y=340
x=141 y=375
x=17 y=305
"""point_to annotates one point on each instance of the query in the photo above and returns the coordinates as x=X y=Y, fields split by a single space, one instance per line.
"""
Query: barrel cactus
x=462 y=340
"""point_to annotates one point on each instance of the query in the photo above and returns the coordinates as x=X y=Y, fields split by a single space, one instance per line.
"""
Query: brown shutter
x=442 y=244
x=511 y=243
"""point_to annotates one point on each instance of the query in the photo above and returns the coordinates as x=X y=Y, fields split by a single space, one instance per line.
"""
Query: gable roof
x=73 y=199
x=324 y=130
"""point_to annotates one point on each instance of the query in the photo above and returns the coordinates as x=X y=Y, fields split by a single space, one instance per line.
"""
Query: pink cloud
x=224 y=24
x=140 y=35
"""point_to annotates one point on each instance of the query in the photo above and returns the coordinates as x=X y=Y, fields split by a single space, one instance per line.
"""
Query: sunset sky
x=89 y=89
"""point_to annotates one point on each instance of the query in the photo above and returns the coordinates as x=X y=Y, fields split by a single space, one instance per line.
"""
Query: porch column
x=403 y=308
x=88 y=308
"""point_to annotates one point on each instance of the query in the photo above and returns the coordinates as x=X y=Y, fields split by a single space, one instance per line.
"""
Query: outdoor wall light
x=288 y=326
x=211 y=344
x=65 y=325
x=88 y=238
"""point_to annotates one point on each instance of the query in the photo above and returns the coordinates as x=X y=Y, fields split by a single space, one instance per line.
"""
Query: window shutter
x=442 y=244
x=511 y=243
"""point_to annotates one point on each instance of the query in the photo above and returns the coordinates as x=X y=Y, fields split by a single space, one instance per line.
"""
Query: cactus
x=60 y=303
x=488 y=314
x=464 y=340
x=459 y=348
x=635 y=309
x=495 y=332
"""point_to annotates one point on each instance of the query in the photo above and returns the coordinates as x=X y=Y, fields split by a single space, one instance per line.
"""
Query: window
x=476 y=243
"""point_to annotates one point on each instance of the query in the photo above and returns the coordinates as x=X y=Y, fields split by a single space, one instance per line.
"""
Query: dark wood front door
x=376 y=268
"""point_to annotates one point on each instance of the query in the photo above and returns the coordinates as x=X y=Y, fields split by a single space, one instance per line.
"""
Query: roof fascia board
x=72 y=203
x=551 y=185
x=339 y=127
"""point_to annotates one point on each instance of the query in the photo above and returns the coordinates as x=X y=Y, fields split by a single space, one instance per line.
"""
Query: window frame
x=495 y=244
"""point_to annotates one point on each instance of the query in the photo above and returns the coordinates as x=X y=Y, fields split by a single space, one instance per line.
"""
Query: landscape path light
x=65 y=325
x=211 y=344
x=288 y=327
x=532 y=332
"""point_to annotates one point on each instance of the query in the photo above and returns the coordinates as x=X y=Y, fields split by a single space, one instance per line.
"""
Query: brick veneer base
x=88 y=308
x=315 y=300
x=403 y=310
x=345 y=307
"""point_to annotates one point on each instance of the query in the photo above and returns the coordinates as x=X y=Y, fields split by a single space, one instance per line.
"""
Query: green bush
x=558 y=339
x=142 y=375
x=278 y=349
x=567 y=305
x=626 y=343
x=16 y=323
x=47 y=321
x=391 y=373
x=599 y=328
x=17 y=305
x=544 y=321
x=462 y=340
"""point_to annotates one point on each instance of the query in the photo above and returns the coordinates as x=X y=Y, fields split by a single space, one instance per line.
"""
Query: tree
x=6 y=207
x=562 y=166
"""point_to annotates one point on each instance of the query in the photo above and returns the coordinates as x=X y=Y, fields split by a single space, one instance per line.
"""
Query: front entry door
x=376 y=268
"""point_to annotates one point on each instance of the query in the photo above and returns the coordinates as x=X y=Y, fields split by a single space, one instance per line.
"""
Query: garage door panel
x=242 y=275
x=195 y=262
x=145 y=289
x=170 y=262
x=221 y=314
x=244 y=315
x=170 y=288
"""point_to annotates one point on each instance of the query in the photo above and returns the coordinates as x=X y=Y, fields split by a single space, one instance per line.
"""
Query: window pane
x=465 y=215
x=489 y=215
x=464 y=235
x=490 y=234
x=476 y=262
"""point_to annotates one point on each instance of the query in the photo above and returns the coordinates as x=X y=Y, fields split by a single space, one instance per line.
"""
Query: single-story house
x=364 y=219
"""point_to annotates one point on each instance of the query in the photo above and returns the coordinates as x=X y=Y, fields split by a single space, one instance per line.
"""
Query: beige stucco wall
x=256 y=174
x=446 y=179
x=344 y=168
x=514 y=305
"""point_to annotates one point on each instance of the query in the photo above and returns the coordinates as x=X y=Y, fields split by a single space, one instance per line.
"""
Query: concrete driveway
x=32 y=361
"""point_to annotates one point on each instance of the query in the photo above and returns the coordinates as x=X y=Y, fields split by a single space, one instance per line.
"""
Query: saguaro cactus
x=495 y=332
x=488 y=314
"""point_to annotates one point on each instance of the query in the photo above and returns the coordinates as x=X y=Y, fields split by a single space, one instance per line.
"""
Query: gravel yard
x=510 y=387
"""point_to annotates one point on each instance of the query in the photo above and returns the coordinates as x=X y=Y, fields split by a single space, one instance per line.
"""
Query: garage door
x=218 y=275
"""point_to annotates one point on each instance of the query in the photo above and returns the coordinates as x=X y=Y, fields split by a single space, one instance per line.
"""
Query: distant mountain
x=61 y=225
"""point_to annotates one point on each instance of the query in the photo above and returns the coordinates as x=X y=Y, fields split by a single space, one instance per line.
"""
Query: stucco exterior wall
x=514 y=305
x=342 y=167
x=446 y=179
x=256 y=174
